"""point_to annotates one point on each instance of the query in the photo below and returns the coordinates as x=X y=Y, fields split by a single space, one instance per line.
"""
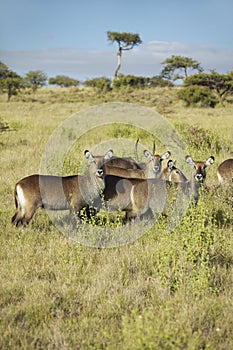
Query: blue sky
x=69 y=37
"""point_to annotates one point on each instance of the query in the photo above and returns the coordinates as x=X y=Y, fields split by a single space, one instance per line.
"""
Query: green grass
x=167 y=290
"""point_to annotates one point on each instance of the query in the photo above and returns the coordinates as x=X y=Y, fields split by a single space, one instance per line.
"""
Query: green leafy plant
x=200 y=96
x=197 y=137
x=101 y=84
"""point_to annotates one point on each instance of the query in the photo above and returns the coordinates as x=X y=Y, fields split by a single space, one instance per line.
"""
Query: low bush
x=197 y=96
x=196 y=138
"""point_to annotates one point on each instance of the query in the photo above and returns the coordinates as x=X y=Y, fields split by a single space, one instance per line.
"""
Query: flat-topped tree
x=220 y=84
x=180 y=64
x=125 y=41
x=35 y=79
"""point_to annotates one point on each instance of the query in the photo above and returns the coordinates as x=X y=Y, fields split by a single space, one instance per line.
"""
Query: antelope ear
x=170 y=164
x=108 y=155
x=148 y=155
x=166 y=155
x=189 y=160
x=88 y=155
x=209 y=161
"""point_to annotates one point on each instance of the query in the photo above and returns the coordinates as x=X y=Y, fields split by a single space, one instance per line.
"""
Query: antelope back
x=225 y=172
x=123 y=163
x=126 y=173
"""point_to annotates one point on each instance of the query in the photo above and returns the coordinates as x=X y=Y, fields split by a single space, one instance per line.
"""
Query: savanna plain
x=166 y=290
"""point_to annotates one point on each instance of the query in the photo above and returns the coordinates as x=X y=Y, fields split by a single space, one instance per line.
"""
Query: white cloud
x=143 y=60
x=158 y=51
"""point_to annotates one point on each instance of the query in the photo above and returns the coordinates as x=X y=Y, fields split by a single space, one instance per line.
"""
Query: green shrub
x=197 y=96
x=130 y=80
x=159 y=81
x=198 y=138
x=101 y=84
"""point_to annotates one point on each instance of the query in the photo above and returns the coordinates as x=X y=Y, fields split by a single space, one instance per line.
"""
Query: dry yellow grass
x=167 y=290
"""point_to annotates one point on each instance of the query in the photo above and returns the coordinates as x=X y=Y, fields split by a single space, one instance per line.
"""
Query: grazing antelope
x=225 y=172
x=59 y=193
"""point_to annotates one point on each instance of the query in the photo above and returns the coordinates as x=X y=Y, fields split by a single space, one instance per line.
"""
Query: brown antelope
x=154 y=169
x=137 y=196
x=132 y=195
x=189 y=187
x=225 y=172
x=129 y=168
x=173 y=174
x=126 y=173
x=198 y=175
x=121 y=162
x=59 y=193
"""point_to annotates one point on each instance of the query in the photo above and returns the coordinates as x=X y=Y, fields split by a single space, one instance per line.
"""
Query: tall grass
x=167 y=290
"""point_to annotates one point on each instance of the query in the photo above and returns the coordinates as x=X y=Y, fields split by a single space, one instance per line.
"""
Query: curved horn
x=136 y=150
x=154 y=147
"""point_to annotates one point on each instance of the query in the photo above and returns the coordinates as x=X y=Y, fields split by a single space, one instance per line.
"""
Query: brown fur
x=58 y=193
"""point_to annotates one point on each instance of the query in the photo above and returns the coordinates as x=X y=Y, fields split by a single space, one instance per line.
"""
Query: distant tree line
x=197 y=87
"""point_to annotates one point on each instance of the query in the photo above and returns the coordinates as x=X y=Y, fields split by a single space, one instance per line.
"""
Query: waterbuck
x=121 y=162
x=59 y=193
x=153 y=167
x=173 y=174
x=198 y=175
x=129 y=168
x=225 y=172
x=133 y=195
x=138 y=196
x=177 y=180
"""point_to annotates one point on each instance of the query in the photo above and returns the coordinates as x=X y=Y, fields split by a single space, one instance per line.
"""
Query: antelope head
x=175 y=174
x=199 y=174
x=97 y=162
x=157 y=161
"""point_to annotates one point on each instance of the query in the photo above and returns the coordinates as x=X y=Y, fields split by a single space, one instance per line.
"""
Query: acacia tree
x=181 y=64
x=35 y=79
x=220 y=84
x=10 y=82
x=125 y=42
x=3 y=70
x=64 y=81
